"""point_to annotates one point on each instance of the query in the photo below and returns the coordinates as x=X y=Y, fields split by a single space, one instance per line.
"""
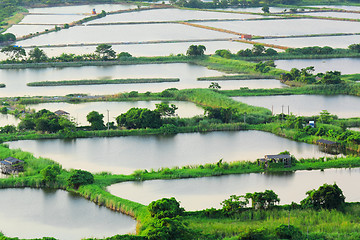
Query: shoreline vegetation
x=102 y=81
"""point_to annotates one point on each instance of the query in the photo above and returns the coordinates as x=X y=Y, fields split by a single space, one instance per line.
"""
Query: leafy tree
x=165 y=208
x=165 y=109
x=8 y=129
x=50 y=172
x=214 y=85
x=223 y=53
x=223 y=114
x=196 y=50
x=79 y=177
x=139 y=118
x=37 y=55
x=244 y=53
x=325 y=117
x=14 y=52
x=355 y=47
x=331 y=77
x=8 y=37
x=105 y=51
x=234 y=204
x=327 y=196
x=265 y=9
x=258 y=49
x=96 y=120
x=271 y=52
x=263 y=200
x=124 y=55
x=169 y=228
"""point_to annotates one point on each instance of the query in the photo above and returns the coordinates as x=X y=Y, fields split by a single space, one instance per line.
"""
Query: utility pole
x=288 y=109
x=245 y=117
x=282 y=112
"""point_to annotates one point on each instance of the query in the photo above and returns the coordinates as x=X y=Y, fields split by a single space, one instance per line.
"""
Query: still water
x=170 y=15
x=148 y=49
x=125 y=33
x=334 y=14
x=331 y=41
x=81 y=9
x=79 y=111
x=35 y=213
x=8 y=119
x=16 y=79
x=126 y=154
x=344 y=65
x=307 y=105
x=287 y=27
x=207 y=192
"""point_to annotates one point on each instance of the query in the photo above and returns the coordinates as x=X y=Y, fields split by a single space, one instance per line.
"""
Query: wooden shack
x=328 y=146
x=11 y=165
x=61 y=113
x=246 y=36
x=279 y=158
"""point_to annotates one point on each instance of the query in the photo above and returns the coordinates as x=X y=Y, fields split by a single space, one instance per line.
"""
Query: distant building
x=61 y=113
x=311 y=124
x=246 y=36
x=11 y=165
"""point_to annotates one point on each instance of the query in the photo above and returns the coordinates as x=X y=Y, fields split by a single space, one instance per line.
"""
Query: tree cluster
x=196 y=50
x=310 y=50
x=102 y=52
x=166 y=222
x=257 y=50
x=7 y=37
x=45 y=121
x=229 y=3
x=79 y=177
x=305 y=75
x=327 y=197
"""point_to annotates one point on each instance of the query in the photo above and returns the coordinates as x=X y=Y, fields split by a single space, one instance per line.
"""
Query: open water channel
x=35 y=213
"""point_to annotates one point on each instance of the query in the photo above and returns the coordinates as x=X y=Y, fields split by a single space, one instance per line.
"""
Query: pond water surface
x=287 y=27
x=126 y=154
x=307 y=105
x=8 y=119
x=170 y=15
x=79 y=111
x=16 y=79
x=81 y=9
x=201 y=193
x=344 y=65
x=331 y=41
x=148 y=49
x=126 y=33
x=35 y=213
x=333 y=14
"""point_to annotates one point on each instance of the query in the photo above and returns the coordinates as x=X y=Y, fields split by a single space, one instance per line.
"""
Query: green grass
x=332 y=224
x=234 y=77
x=101 y=81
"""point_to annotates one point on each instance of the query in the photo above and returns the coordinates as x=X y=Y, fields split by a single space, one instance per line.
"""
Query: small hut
x=279 y=158
x=328 y=146
x=11 y=165
x=61 y=113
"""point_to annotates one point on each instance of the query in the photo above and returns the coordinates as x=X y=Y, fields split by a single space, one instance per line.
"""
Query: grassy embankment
x=101 y=81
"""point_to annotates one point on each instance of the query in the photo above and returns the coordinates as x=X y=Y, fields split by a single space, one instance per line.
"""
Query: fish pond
x=31 y=213
x=126 y=154
x=208 y=192
x=307 y=105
